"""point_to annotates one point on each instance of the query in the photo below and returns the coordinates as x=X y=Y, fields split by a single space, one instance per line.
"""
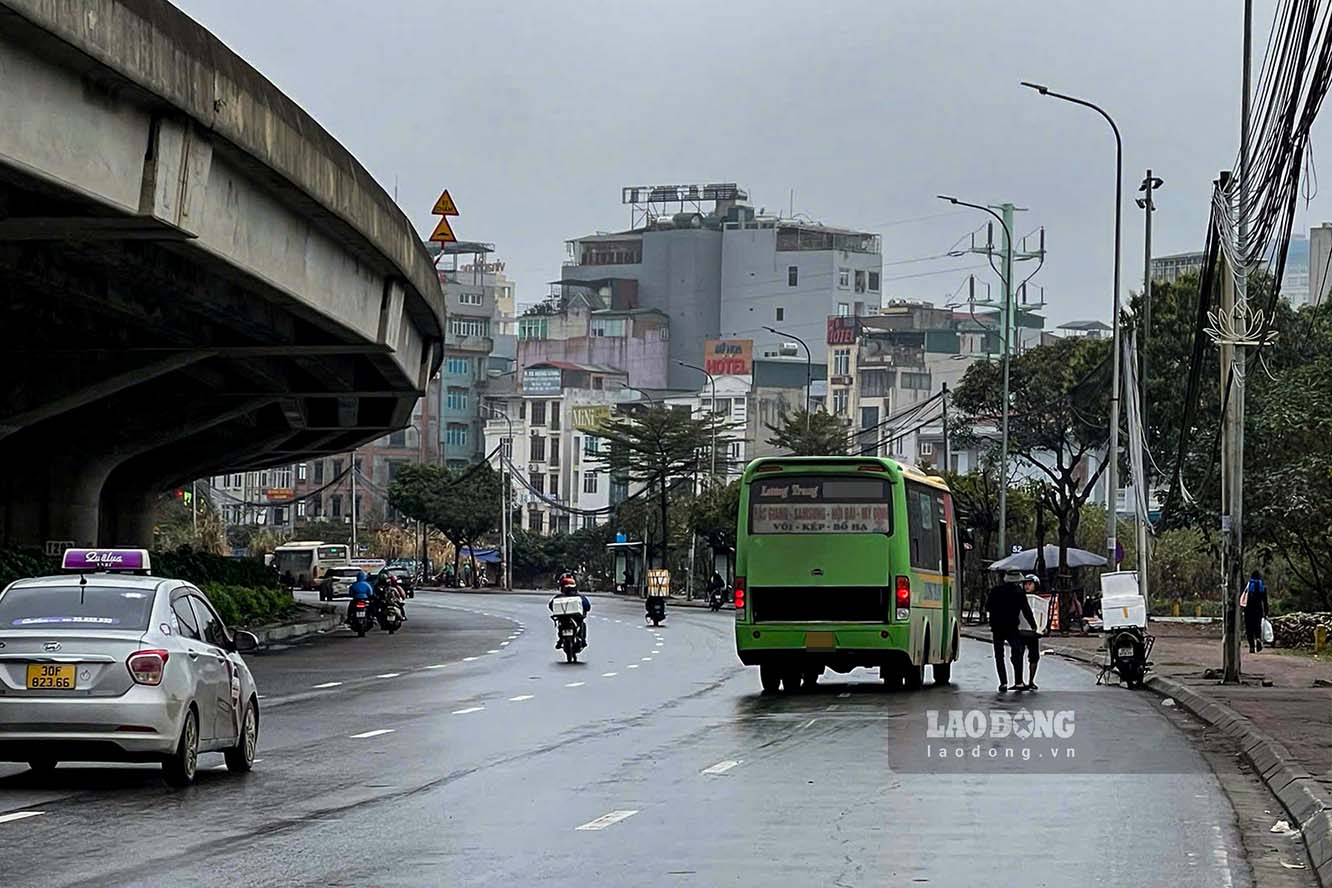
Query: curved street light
x=1112 y=470
x=504 y=496
x=809 y=368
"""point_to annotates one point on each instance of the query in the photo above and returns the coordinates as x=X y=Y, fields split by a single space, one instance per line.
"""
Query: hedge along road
x=473 y=755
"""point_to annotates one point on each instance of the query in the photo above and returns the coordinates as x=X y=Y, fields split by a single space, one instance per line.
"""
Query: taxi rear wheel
x=42 y=765
x=240 y=757
x=180 y=768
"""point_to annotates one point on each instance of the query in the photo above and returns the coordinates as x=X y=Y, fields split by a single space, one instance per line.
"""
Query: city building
x=479 y=303
x=715 y=268
x=597 y=324
x=259 y=498
x=885 y=370
x=1087 y=329
x=1171 y=268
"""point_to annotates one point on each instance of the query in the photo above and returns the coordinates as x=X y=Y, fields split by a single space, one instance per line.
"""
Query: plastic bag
x=1267 y=631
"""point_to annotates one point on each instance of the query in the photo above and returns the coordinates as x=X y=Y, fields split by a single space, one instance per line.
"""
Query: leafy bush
x=249 y=605
x=185 y=563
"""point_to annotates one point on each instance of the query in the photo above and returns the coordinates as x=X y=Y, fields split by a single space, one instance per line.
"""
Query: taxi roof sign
x=106 y=560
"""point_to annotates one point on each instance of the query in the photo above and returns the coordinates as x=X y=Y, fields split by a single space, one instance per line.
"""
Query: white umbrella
x=1026 y=559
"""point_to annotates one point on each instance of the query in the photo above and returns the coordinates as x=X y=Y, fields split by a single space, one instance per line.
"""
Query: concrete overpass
x=194 y=275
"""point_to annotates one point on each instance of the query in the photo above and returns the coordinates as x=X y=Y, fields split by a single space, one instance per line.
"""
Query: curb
x=329 y=618
x=1297 y=790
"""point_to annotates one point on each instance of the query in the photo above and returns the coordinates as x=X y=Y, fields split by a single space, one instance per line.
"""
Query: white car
x=108 y=663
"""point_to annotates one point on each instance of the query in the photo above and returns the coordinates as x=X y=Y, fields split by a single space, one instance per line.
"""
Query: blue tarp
x=488 y=555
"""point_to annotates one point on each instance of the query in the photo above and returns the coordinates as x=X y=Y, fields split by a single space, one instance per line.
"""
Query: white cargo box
x=567 y=605
x=1121 y=603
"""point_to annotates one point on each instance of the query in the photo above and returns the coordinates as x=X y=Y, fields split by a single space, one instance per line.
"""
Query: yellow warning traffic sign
x=443 y=234
x=445 y=205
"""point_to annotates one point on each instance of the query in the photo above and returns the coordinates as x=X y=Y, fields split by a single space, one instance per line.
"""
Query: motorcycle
x=1124 y=618
x=360 y=619
x=716 y=599
x=656 y=609
x=390 y=615
x=567 y=613
x=1128 y=648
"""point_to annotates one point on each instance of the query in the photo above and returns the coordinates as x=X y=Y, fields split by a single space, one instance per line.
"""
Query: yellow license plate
x=820 y=641
x=50 y=676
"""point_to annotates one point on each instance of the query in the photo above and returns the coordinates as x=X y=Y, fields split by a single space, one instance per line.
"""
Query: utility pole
x=947 y=452
x=355 y=552
x=1149 y=184
x=1005 y=219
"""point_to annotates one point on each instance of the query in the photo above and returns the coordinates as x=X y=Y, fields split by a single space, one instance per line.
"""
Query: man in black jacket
x=1006 y=602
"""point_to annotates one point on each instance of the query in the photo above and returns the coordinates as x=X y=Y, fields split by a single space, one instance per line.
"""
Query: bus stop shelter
x=629 y=555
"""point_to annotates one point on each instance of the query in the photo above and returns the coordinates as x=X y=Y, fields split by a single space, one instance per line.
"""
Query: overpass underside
x=171 y=307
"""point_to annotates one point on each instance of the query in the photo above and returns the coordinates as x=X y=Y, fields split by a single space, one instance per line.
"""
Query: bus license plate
x=48 y=676
x=820 y=641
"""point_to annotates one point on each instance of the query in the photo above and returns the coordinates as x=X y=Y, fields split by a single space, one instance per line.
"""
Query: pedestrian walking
x=1254 y=602
x=1027 y=639
x=1005 y=604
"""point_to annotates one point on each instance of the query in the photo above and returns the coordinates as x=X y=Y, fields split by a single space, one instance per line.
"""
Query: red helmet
x=568 y=580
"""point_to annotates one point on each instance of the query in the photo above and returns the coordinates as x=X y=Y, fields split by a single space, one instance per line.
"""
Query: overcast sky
x=534 y=114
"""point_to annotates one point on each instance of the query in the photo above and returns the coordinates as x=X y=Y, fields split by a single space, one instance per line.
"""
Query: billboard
x=729 y=357
x=542 y=381
x=587 y=417
x=841 y=330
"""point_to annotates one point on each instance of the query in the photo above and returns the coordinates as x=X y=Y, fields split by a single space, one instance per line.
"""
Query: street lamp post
x=1112 y=470
x=1006 y=314
x=809 y=368
x=504 y=498
x=712 y=470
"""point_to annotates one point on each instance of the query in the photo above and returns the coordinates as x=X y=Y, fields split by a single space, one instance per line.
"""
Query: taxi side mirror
x=245 y=641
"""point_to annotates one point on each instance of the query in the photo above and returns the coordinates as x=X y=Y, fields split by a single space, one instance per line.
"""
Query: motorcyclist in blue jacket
x=361 y=590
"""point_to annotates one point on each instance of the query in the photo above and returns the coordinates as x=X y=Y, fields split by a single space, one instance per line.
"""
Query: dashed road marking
x=575 y=684
x=504 y=644
x=467 y=710
x=388 y=675
x=364 y=735
x=24 y=815
x=327 y=684
x=441 y=665
x=808 y=723
x=606 y=820
x=609 y=674
x=721 y=767
x=646 y=659
x=493 y=651
x=843 y=695
x=468 y=659
x=521 y=697
x=632 y=666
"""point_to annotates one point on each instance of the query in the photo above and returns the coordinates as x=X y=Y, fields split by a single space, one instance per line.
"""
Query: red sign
x=729 y=357
x=841 y=330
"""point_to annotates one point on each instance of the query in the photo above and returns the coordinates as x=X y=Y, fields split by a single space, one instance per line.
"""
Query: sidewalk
x=1281 y=716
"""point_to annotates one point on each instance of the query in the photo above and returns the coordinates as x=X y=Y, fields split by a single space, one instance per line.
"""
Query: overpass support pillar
x=127 y=517
x=73 y=502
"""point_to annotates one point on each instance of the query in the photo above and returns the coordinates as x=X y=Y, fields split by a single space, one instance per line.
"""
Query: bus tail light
x=903 y=598
x=739 y=593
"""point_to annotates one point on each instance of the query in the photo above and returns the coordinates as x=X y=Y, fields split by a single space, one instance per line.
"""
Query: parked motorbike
x=360 y=619
x=1128 y=648
x=656 y=609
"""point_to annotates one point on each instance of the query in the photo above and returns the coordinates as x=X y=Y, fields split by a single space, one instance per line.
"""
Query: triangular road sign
x=445 y=205
x=443 y=234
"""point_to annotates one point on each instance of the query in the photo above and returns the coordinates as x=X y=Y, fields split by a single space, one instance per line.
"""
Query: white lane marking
x=721 y=767
x=606 y=820
x=388 y=675
x=521 y=697
x=504 y=644
x=619 y=621
x=632 y=666
x=440 y=665
x=807 y=724
x=327 y=684
x=844 y=695
x=609 y=674
x=19 y=815
x=364 y=735
x=575 y=684
x=493 y=651
x=468 y=659
x=468 y=709
x=646 y=659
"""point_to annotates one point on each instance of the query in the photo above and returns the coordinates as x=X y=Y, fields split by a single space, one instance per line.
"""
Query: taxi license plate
x=820 y=641
x=50 y=676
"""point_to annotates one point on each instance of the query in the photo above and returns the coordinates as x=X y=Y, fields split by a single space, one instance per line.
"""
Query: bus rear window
x=820 y=504
x=330 y=553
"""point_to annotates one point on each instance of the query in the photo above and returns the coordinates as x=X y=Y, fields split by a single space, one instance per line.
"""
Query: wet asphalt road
x=490 y=762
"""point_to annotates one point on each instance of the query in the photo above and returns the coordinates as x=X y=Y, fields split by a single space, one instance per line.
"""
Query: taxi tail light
x=902 y=597
x=147 y=667
x=739 y=593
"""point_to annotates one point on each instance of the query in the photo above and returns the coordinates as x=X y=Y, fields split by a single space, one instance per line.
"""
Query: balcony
x=476 y=344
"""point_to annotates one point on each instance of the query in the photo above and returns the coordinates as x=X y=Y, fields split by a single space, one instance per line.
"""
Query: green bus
x=844 y=562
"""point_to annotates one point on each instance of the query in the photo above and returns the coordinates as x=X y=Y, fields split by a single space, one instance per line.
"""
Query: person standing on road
x=1005 y=603
x=1254 y=601
x=1026 y=639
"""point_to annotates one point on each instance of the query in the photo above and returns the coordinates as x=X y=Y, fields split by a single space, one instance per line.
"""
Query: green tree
x=462 y=504
x=1058 y=406
x=810 y=433
x=658 y=447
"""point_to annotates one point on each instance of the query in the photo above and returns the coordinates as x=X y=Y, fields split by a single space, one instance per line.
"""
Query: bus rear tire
x=914 y=677
x=892 y=677
x=810 y=679
x=942 y=673
x=770 y=678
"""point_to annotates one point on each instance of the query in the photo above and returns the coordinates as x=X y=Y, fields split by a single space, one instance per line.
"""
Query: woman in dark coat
x=1255 y=609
